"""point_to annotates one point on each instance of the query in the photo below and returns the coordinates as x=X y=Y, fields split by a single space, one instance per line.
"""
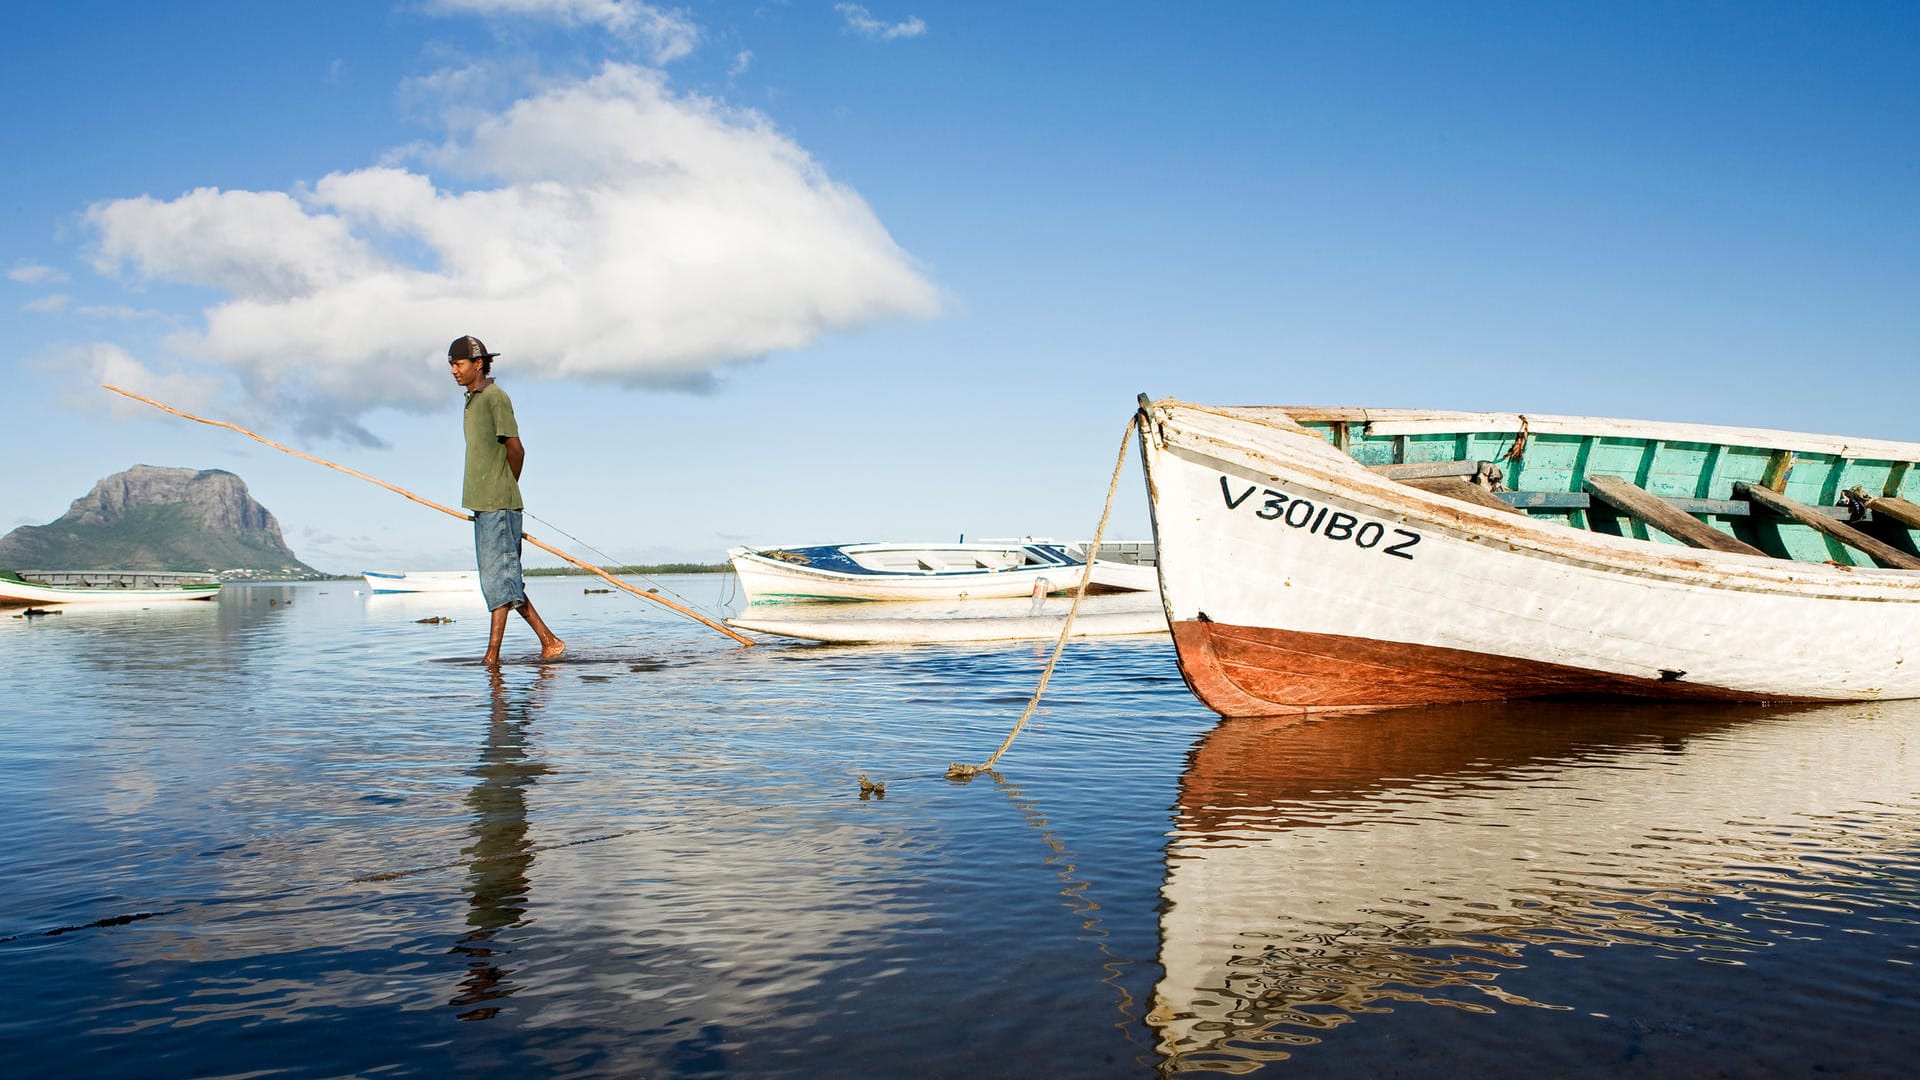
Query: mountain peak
x=155 y=518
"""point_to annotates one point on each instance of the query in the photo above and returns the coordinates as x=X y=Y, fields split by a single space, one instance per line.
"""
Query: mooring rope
x=608 y=560
x=1076 y=887
x=961 y=771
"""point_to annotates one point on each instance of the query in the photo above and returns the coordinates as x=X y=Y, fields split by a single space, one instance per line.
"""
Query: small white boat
x=417 y=581
x=914 y=623
x=933 y=571
x=103 y=587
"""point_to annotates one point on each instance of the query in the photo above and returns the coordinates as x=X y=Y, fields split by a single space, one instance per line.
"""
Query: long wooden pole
x=587 y=566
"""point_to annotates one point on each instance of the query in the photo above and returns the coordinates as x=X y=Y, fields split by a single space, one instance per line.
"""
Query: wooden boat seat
x=1458 y=487
x=1900 y=510
x=1637 y=502
x=1580 y=500
x=1883 y=554
x=1469 y=481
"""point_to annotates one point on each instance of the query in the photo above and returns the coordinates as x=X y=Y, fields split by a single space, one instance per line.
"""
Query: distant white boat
x=924 y=571
x=413 y=581
x=103 y=587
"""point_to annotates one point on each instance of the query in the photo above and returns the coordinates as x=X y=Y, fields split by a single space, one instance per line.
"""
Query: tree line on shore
x=654 y=568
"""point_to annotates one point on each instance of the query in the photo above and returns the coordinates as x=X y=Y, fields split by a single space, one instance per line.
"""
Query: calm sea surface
x=299 y=833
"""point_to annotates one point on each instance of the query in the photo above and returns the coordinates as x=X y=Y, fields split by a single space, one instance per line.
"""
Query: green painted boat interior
x=1543 y=475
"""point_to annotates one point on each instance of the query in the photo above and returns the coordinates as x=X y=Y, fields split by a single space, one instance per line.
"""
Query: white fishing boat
x=1315 y=558
x=422 y=581
x=934 y=571
x=104 y=587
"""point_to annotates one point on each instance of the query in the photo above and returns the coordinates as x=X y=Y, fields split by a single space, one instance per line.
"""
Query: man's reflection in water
x=500 y=854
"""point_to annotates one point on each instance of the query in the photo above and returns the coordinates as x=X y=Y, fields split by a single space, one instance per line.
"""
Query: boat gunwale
x=1315 y=460
x=1431 y=421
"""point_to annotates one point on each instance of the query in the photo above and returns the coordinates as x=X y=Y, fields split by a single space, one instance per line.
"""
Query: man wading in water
x=492 y=492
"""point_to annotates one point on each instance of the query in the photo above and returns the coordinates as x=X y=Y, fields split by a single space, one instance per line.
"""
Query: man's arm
x=516 y=455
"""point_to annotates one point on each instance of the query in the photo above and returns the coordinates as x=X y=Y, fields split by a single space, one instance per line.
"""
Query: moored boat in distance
x=924 y=571
x=417 y=581
x=19 y=587
x=1328 y=558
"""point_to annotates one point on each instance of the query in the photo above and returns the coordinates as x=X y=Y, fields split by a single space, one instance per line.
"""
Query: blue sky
x=804 y=271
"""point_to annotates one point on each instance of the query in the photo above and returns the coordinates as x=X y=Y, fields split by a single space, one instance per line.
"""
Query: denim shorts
x=496 y=540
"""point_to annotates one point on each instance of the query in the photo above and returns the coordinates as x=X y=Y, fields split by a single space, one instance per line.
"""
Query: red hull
x=1258 y=671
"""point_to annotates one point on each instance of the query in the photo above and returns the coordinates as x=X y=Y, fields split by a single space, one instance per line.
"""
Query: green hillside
x=146 y=538
x=150 y=518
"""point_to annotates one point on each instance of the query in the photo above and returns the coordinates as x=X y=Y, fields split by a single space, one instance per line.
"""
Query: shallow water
x=300 y=833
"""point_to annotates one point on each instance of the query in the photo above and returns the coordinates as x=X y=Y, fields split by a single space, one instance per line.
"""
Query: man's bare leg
x=495 y=633
x=551 y=647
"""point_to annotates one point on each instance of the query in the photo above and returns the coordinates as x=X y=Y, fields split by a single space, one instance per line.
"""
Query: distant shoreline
x=655 y=568
x=544 y=571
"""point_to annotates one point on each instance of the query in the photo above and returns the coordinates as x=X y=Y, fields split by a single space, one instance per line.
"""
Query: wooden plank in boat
x=1457 y=488
x=1776 y=503
x=1580 y=500
x=1545 y=500
x=1635 y=501
x=1900 y=510
x=1889 y=518
x=1722 y=507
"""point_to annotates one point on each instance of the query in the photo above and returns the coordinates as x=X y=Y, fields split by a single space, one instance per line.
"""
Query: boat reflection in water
x=1323 y=871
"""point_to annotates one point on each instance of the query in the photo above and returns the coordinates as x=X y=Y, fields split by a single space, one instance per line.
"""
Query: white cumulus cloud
x=669 y=35
x=35 y=274
x=603 y=229
x=115 y=366
x=253 y=244
x=861 y=21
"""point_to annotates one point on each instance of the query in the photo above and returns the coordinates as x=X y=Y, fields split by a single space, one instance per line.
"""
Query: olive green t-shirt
x=489 y=483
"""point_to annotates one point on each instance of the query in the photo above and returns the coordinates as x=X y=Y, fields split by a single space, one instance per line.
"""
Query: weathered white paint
x=1502 y=584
